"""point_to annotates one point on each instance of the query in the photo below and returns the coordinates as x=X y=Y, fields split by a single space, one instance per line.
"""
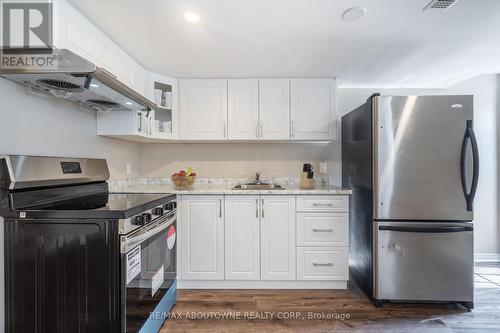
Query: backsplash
x=226 y=182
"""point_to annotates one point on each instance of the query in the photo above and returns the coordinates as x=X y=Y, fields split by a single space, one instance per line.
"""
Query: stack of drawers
x=322 y=237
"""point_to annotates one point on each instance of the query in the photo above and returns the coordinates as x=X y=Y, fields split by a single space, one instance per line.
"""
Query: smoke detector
x=440 y=4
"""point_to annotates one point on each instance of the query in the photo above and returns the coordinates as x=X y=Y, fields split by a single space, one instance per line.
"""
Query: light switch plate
x=129 y=168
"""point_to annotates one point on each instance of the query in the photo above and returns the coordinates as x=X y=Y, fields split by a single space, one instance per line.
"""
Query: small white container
x=167 y=99
x=167 y=127
x=158 y=96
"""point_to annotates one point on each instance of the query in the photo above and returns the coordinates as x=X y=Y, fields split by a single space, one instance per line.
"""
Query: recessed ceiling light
x=191 y=17
x=93 y=85
x=353 y=14
x=128 y=103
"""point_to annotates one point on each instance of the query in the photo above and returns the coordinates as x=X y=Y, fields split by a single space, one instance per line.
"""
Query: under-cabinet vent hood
x=440 y=4
x=80 y=81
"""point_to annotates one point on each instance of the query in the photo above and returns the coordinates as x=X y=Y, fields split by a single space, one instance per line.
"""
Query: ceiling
x=397 y=44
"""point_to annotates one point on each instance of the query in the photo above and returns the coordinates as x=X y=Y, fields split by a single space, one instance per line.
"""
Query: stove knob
x=158 y=211
x=174 y=203
x=147 y=217
x=169 y=206
x=138 y=220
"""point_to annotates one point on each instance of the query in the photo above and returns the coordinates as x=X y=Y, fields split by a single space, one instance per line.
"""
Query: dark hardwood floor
x=349 y=311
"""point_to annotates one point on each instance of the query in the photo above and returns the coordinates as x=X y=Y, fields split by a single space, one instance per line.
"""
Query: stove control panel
x=146 y=217
x=158 y=211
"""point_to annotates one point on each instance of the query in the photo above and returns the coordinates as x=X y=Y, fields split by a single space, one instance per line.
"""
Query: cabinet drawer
x=322 y=263
x=322 y=229
x=323 y=203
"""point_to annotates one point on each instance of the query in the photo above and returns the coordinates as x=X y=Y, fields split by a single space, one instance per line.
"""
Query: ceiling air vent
x=440 y=4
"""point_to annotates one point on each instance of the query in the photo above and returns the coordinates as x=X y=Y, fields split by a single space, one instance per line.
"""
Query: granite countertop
x=225 y=189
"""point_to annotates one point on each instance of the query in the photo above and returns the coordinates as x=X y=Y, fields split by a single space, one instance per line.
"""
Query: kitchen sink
x=261 y=186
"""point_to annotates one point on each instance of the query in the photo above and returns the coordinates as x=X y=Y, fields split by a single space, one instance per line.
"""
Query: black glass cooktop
x=98 y=205
x=110 y=202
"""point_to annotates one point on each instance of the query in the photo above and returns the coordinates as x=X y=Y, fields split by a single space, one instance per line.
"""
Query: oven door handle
x=127 y=243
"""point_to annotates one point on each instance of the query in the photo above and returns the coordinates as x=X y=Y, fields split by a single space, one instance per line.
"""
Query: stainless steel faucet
x=257 y=178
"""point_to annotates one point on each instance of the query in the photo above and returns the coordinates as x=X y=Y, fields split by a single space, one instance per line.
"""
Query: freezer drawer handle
x=322 y=204
x=469 y=135
x=329 y=264
x=322 y=230
x=425 y=229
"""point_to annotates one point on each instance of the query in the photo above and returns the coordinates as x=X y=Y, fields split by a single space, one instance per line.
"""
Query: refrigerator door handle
x=425 y=229
x=469 y=135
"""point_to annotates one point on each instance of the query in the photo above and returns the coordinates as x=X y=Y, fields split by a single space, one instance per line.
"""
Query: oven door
x=148 y=267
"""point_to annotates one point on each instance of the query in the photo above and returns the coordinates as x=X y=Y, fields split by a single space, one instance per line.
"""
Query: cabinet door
x=203 y=109
x=242 y=237
x=243 y=109
x=313 y=109
x=278 y=237
x=73 y=31
x=274 y=109
x=201 y=231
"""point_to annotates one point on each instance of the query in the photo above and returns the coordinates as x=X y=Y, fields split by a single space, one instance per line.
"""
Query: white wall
x=48 y=126
x=486 y=91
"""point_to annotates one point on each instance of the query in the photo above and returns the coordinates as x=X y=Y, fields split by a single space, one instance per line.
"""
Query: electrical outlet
x=129 y=168
x=323 y=167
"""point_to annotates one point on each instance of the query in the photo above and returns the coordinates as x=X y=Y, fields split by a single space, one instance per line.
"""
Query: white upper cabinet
x=259 y=109
x=313 y=109
x=203 y=109
x=76 y=33
x=274 y=109
x=242 y=237
x=243 y=109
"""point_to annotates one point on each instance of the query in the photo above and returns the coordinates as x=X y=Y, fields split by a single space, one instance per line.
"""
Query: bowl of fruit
x=184 y=178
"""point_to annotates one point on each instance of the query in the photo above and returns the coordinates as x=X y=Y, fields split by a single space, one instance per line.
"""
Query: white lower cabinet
x=262 y=241
x=201 y=237
x=278 y=237
x=242 y=237
x=323 y=237
x=322 y=229
x=322 y=263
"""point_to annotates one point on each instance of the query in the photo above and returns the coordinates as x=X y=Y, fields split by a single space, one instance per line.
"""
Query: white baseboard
x=487 y=257
x=226 y=284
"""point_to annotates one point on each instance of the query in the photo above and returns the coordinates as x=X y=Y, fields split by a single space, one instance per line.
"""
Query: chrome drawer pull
x=323 y=230
x=322 y=204
x=329 y=264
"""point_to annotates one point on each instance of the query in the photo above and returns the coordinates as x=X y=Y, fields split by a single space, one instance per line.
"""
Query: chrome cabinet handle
x=257 y=129
x=225 y=135
x=322 y=204
x=140 y=122
x=328 y=264
x=262 y=208
x=220 y=208
x=292 y=127
x=261 y=129
x=323 y=230
x=257 y=208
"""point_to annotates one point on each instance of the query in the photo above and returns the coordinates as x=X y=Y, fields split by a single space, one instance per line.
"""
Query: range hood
x=80 y=81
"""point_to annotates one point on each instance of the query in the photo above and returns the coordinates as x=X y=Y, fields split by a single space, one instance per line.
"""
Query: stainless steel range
x=78 y=258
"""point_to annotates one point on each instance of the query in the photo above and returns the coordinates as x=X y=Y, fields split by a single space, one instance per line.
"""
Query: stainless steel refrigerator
x=413 y=165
